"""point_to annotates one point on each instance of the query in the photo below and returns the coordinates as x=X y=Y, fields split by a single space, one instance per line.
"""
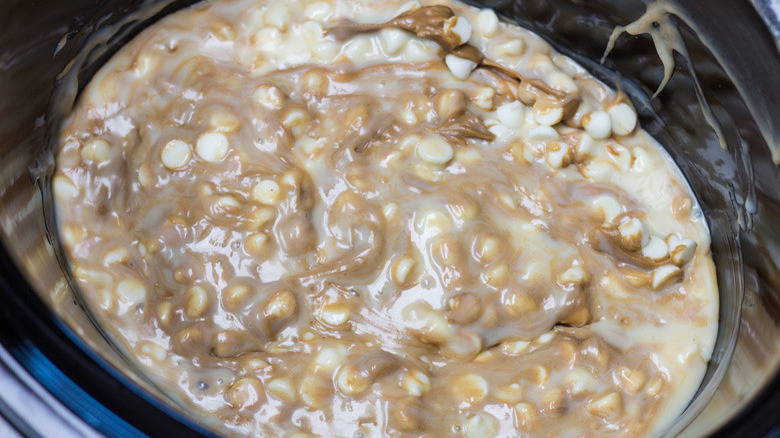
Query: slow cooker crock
x=60 y=376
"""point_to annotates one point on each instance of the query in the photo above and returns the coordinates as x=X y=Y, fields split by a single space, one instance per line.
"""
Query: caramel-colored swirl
x=431 y=22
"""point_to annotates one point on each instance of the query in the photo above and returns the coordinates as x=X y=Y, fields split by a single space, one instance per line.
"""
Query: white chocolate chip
x=401 y=270
x=312 y=32
x=655 y=249
x=281 y=305
x=619 y=155
x=433 y=325
x=308 y=146
x=672 y=241
x=598 y=124
x=255 y=242
x=245 y=393
x=642 y=161
x=470 y=388
x=561 y=81
x=462 y=344
x=318 y=11
x=312 y=392
x=573 y=275
x=417 y=51
x=580 y=382
x=623 y=119
x=489 y=248
x=612 y=287
x=634 y=233
x=282 y=389
x=409 y=142
x=682 y=251
x=278 y=16
x=145 y=65
x=468 y=156
x=483 y=98
x=540 y=374
x=212 y=146
x=412 y=5
x=176 y=154
x=267 y=39
x=542 y=134
x=269 y=96
x=131 y=290
x=119 y=254
x=261 y=217
x=351 y=381
x=416 y=383
x=227 y=202
x=608 y=206
x=598 y=170
x=96 y=150
x=236 y=295
x=295 y=121
x=558 y=155
x=326 y=51
x=461 y=68
x=511 y=48
x=507 y=200
x=664 y=275
x=153 y=350
x=460 y=27
x=545 y=338
x=630 y=379
x=482 y=425
x=335 y=315
x=433 y=223
x=389 y=211
x=64 y=189
x=435 y=150
x=496 y=128
x=328 y=359
x=511 y=115
x=497 y=275
x=409 y=117
x=267 y=192
x=584 y=147
x=224 y=122
x=359 y=50
x=514 y=348
x=526 y=414
x=548 y=116
x=393 y=40
x=487 y=23
x=607 y=406
x=511 y=393
x=197 y=302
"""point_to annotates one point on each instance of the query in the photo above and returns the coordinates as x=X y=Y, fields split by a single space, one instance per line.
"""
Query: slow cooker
x=717 y=117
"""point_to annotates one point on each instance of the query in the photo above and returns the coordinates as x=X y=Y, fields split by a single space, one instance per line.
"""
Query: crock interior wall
x=723 y=180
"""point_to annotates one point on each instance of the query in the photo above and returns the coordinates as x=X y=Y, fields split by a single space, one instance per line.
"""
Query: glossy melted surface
x=372 y=218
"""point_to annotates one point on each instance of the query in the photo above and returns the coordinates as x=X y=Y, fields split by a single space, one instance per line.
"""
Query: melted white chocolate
x=333 y=218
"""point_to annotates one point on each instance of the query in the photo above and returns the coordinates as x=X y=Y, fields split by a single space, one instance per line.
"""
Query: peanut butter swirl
x=438 y=23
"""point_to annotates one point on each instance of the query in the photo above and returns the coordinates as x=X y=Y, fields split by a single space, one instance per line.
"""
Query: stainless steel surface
x=7 y=430
x=31 y=410
x=770 y=12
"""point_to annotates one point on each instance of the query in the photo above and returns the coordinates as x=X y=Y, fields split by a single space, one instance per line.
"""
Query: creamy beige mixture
x=355 y=218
